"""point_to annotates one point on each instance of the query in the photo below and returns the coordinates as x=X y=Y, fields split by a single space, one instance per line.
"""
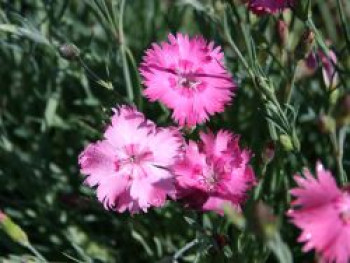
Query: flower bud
x=282 y=32
x=235 y=217
x=343 y=115
x=69 y=51
x=286 y=142
x=305 y=45
x=268 y=152
x=325 y=123
x=14 y=231
x=345 y=104
x=266 y=223
x=330 y=75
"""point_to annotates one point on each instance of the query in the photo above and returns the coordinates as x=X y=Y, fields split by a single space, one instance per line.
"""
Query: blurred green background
x=53 y=103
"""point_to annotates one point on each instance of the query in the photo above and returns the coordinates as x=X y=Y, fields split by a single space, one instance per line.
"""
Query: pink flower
x=262 y=7
x=322 y=211
x=188 y=76
x=130 y=165
x=214 y=173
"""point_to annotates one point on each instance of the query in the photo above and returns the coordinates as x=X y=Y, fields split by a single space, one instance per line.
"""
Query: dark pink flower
x=322 y=211
x=188 y=76
x=262 y=7
x=130 y=166
x=214 y=173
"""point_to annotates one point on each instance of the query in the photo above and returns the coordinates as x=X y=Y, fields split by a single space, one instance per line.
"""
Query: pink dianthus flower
x=130 y=166
x=322 y=211
x=214 y=173
x=188 y=76
x=262 y=7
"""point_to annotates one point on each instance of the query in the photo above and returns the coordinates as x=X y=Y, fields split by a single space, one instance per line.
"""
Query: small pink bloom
x=262 y=7
x=322 y=211
x=188 y=76
x=214 y=173
x=130 y=166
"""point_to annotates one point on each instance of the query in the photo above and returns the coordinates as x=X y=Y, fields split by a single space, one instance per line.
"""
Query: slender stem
x=235 y=48
x=126 y=71
x=318 y=36
x=291 y=87
x=338 y=144
x=36 y=252
x=341 y=140
x=344 y=24
x=184 y=249
x=111 y=21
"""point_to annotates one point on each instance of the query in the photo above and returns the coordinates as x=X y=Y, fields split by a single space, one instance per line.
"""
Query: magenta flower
x=214 y=173
x=130 y=165
x=262 y=7
x=322 y=211
x=188 y=76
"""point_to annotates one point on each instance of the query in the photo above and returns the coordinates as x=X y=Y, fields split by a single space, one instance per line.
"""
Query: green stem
x=36 y=252
x=341 y=140
x=344 y=24
x=291 y=87
x=318 y=36
x=338 y=144
x=126 y=70
x=184 y=249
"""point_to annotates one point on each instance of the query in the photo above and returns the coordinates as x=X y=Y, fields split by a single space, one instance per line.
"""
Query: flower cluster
x=138 y=165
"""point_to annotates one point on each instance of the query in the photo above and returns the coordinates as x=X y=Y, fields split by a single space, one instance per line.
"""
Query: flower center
x=187 y=80
x=185 y=77
x=133 y=156
x=210 y=179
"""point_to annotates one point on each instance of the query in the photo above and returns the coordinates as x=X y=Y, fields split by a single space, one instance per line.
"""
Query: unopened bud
x=266 y=223
x=345 y=104
x=305 y=45
x=282 y=32
x=234 y=216
x=14 y=231
x=343 y=116
x=286 y=142
x=329 y=72
x=326 y=124
x=269 y=152
x=69 y=51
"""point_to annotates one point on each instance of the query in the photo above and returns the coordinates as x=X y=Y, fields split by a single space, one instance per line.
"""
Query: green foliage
x=65 y=64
